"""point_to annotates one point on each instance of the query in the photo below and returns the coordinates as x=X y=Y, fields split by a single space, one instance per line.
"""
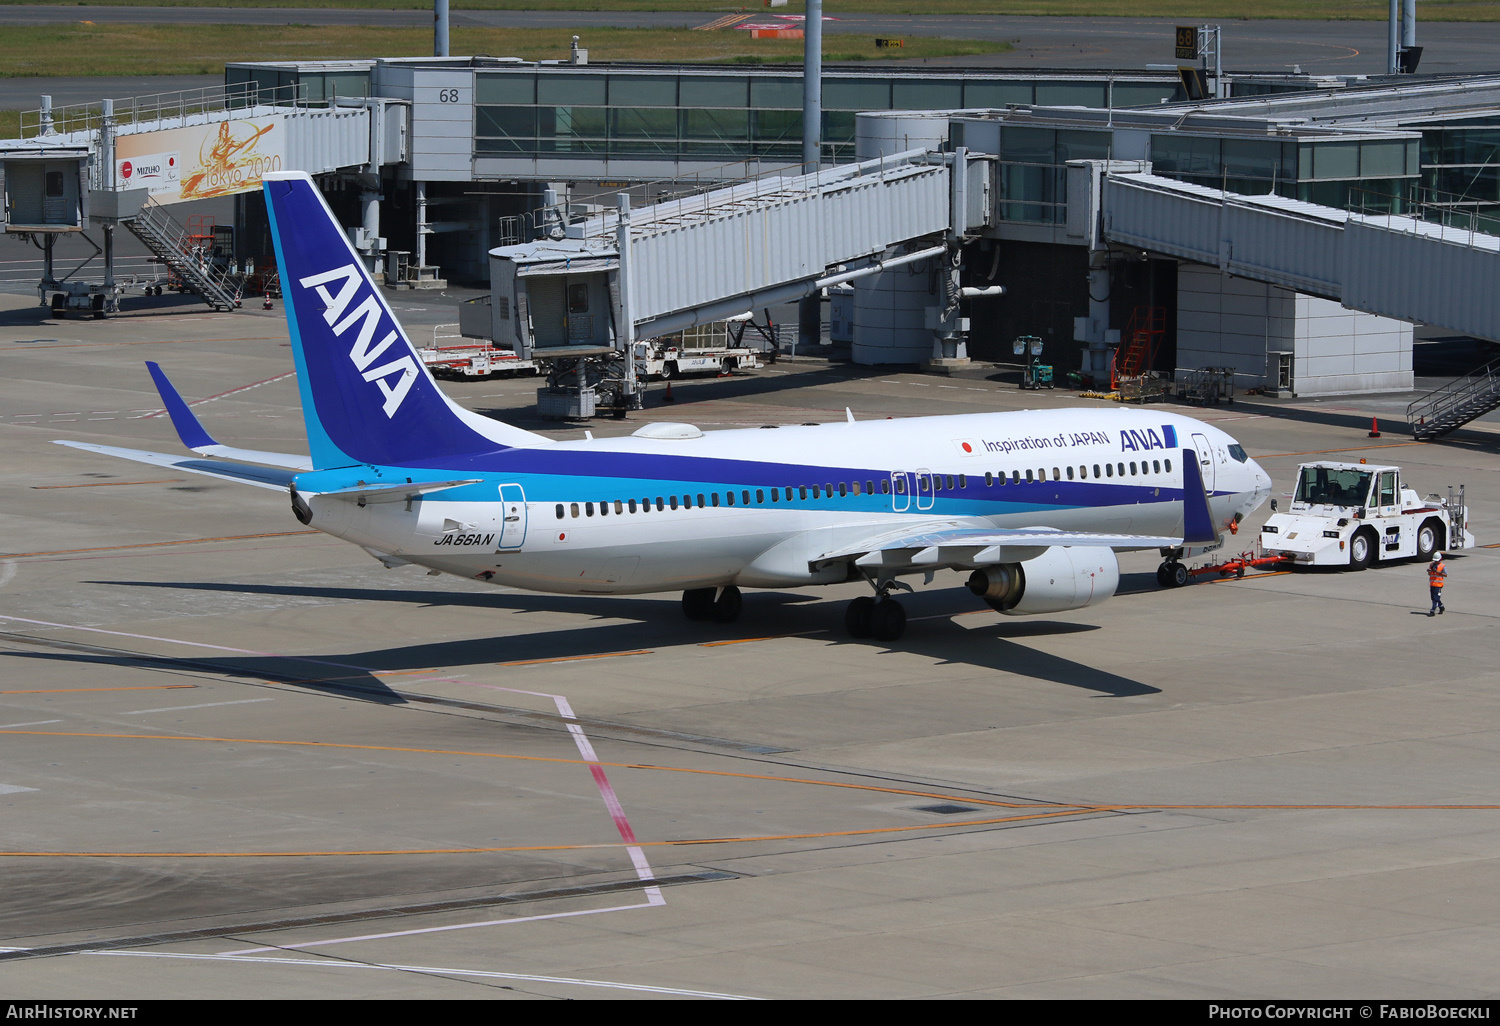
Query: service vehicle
x=705 y=349
x=1356 y=514
x=452 y=355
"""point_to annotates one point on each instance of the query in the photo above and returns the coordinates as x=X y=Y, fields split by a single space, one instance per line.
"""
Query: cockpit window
x=1237 y=451
x=1326 y=486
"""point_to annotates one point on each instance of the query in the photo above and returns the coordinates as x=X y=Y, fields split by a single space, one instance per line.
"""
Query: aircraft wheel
x=698 y=603
x=888 y=620
x=726 y=608
x=1179 y=575
x=857 y=618
x=1164 y=575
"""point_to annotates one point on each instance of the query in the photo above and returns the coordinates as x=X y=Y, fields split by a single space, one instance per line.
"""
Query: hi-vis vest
x=1435 y=574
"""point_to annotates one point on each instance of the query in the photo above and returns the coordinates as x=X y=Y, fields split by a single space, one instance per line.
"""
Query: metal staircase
x=186 y=256
x=1456 y=403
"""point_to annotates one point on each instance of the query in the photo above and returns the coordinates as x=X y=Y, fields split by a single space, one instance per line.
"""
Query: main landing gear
x=880 y=617
x=721 y=605
x=1171 y=574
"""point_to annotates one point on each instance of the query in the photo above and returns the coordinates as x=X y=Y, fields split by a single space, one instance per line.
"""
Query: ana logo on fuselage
x=368 y=314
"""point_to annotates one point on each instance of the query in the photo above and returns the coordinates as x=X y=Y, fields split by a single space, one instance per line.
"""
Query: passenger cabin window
x=559 y=511
x=1168 y=465
x=1029 y=478
x=885 y=486
x=588 y=507
x=574 y=509
x=1109 y=470
x=632 y=505
x=674 y=502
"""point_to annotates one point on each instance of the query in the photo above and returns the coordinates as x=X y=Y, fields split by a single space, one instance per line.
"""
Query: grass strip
x=85 y=48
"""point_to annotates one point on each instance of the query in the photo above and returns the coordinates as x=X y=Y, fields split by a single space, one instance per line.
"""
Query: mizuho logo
x=368 y=314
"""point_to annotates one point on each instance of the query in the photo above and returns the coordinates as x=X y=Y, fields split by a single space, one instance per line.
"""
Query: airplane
x=1032 y=505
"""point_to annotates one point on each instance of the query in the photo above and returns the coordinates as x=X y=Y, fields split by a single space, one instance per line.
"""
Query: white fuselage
x=754 y=507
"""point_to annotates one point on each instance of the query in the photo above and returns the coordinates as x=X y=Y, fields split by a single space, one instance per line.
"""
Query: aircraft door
x=925 y=490
x=1206 y=462
x=513 y=516
x=900 y=491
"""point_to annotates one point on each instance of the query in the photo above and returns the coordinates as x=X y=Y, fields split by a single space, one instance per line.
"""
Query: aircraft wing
x=958 y=545
x=197 y=438
x=277 y=479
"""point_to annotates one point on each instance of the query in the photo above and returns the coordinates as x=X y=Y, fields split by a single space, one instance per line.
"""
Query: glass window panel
x=1382 y=159
x=568 y=90
x=1336 y=160
x=838 y=127
x=716 y=92
x=349 y=83
x=1413 y=159
x=1070 y=94
x=643 y=123
x=772 y=93
x=1142 y=94
x=856 y=94
x=571 y=129
x=777 y=132
x=643 y=90
x=312 y=86
x=504 y=129
x=1185 y=154
x=1074 y=145
x=997 y=94
x=504 y=88
x=1028 y=145
x=926 y=95
x=1252 y=158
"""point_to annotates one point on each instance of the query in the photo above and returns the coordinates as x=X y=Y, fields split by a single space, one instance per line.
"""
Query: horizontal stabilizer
x=394 y=493
x=261 y=477
x=193 y=434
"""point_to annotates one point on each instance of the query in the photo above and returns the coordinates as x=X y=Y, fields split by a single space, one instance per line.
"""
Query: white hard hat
x=1437 y=557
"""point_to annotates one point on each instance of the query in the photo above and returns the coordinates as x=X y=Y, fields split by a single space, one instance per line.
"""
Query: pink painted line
x=221 y=395
x=585 y=749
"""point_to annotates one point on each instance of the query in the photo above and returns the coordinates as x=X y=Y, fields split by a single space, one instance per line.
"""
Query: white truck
x=1355 y=514
x=457 y=356
x=705 y=349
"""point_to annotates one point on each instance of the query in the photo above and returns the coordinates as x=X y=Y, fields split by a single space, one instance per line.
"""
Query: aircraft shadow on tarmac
x=636 y=623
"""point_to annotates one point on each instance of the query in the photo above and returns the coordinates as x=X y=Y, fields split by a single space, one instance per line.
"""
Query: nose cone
x=1261 y=490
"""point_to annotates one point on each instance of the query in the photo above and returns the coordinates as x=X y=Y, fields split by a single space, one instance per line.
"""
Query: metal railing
x=1463 y=218
x=1456 y=403
x=172 y=245
x=161 y=108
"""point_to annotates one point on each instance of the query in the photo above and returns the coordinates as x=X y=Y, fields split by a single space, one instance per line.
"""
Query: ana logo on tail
x=362 y=353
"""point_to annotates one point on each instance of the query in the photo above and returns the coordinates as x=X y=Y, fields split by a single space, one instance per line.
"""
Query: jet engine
x=1059 y=579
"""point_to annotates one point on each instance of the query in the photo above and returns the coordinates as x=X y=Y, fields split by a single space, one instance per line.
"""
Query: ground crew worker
x=1437 y=572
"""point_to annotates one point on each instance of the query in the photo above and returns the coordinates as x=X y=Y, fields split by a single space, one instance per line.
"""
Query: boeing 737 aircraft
x=1031 y=505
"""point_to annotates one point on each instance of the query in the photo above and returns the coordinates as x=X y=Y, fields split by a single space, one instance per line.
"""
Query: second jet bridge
x=714 y=255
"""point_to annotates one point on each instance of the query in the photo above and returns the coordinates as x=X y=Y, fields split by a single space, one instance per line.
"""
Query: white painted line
x=310 y=963
x=33 y=723
x=444 y=929
x=14 y=789
x=205 y=705
x=7 y=571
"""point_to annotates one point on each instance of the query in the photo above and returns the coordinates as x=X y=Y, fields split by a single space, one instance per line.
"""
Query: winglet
x=1197 y=518
x=189 y=429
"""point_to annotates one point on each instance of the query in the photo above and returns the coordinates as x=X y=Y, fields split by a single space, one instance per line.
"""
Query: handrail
x=1450 y=398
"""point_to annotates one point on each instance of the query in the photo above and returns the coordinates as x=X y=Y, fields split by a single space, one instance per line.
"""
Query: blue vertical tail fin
x=366 y=395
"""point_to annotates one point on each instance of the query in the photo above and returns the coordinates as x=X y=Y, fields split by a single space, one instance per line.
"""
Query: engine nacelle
x=1057 y=580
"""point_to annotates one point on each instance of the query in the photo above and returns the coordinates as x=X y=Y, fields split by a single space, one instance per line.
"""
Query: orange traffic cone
x=668 y=397
x=1374 y=428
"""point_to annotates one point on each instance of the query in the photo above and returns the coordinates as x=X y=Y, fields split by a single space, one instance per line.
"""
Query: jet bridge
x=724 y=252
x=1392 y=265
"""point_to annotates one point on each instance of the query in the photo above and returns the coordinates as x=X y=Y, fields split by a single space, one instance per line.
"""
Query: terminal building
x=1293 y=232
